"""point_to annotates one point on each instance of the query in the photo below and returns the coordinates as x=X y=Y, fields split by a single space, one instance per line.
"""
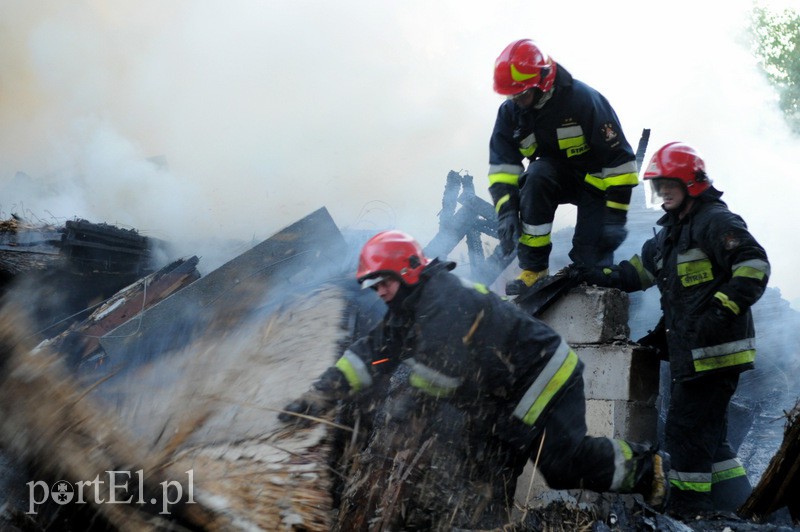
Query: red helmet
x=680 y=161
x=522 y=66
x=391 y=252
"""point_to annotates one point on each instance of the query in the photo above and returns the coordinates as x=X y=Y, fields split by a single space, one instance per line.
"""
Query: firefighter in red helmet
x=576 y=153
x=516 y=380
x=710 y=271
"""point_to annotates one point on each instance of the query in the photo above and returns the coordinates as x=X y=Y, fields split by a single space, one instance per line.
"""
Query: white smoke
x=267 y=110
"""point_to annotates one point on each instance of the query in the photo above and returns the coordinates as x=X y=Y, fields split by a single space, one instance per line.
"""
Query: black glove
x=713 y=326
x=313 y=403
x=508 y=230
x=592 y=275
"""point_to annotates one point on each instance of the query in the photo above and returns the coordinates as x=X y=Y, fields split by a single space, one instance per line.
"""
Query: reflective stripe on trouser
x=696 y=438
x=730 y=486
x=569 y=457
x=633 y=468
x=688 y=481
x=548 y=383
x=545 y=185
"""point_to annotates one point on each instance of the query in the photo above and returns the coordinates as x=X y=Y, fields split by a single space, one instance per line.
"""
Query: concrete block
x=619 y=372
x=629 y=420
x=590 y=315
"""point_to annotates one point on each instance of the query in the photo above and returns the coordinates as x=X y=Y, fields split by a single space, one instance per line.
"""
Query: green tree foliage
x=776 y=44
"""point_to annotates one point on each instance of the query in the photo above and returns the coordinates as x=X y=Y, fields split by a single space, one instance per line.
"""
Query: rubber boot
x=658 y=497
x=651 y=476
x=525 y=280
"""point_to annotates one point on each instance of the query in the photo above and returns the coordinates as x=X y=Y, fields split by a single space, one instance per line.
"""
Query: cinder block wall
x=621 y=379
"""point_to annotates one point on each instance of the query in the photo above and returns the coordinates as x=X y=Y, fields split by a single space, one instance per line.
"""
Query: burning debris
x=81 y=341
x=47 y=422
x=25 y=248
x=176 y=380
x=69 y=269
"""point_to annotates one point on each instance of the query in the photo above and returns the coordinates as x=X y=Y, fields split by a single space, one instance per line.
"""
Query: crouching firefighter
x=710 y=271
x=517 y=380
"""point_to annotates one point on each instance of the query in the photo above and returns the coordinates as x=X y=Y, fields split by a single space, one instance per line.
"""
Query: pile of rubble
x=163 y=393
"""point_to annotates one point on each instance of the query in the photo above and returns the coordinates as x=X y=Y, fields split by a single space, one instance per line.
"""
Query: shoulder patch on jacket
x=730 y=241
x=608 y=132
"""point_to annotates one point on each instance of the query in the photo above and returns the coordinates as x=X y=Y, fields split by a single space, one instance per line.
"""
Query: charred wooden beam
x=106 y=248
x=290 y=261
x=780 y=483
x=475 y=217
x=81 y=341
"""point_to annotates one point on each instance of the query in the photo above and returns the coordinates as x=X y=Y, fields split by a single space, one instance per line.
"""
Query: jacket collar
x=711 y=195
x=433 y=268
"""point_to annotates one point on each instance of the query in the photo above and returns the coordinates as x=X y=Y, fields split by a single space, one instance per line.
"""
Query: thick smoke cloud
x=258 y=112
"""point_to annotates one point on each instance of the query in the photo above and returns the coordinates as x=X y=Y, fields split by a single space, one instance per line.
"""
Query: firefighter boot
x=525 y=280
x=650 y=472
x=658 y=497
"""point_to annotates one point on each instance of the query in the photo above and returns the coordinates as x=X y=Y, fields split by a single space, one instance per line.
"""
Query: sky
x=201 y=120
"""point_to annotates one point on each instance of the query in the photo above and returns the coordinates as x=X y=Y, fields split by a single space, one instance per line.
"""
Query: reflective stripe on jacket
x=465 y=343
x=707 y=258
x=577 y=125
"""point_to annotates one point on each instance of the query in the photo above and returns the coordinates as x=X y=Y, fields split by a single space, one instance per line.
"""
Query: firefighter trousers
x=570 y=458
x=546 y=184
x=706 y=474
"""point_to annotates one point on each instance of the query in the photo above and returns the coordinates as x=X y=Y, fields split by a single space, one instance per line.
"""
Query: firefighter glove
x=508 y=230
x=593 y=275
x=713 y=325
x=313 y=403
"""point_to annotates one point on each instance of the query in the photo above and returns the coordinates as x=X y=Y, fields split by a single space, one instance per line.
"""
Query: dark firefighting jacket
x=576 y=125
x=462 y=342
x=707 y=258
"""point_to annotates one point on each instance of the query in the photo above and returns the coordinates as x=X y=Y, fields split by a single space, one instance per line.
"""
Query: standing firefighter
x=577 y=154
x=710 y=271
x=517 y=380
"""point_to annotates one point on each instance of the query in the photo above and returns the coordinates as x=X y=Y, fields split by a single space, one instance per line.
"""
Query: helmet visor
x=651 y=192
x=658 y=186
x=369 y=282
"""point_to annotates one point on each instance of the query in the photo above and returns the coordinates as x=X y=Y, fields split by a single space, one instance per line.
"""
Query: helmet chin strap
x=543 y=99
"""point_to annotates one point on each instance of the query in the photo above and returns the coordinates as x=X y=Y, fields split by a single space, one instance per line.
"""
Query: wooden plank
x=82 y=339
x=296 y=257
x=780 y=482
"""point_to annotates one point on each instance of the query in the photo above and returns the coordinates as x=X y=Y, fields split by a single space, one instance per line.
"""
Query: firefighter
x=519 y=382
x=576 y=152
x=710 y=271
